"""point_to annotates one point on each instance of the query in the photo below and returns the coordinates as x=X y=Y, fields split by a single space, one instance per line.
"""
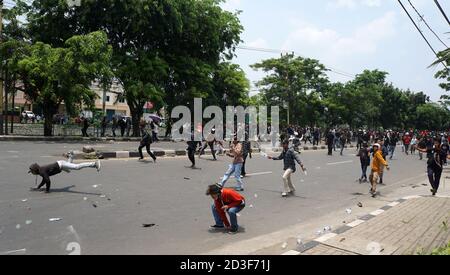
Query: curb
x=72 y=138
x=312 y=244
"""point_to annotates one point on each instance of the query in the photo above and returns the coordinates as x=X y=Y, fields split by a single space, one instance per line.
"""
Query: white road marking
x=291 y=253
x=355 y=223
x=392 y=204
x=377 y=212
x=326 y=237
x=72 y=230
x=411 y=197
x=13 y=252
x=342 y=162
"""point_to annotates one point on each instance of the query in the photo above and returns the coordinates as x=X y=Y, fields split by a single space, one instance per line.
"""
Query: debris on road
x=55 y=219
x=284 y=245
x=186 y=178
x=348 y=210
x=28 y=222
x=24 y=200
x=149 y=225
x=360 y=204
x=251 y=206
x=327 y=228
x=256 y=196
x=18 y=226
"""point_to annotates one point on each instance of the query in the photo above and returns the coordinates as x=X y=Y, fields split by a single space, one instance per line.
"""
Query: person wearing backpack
x=146 y=141
x=364 y=157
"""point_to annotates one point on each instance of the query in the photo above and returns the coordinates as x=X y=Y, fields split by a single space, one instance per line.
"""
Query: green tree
x=289 y=81
x=52 y=76
x=165 y=51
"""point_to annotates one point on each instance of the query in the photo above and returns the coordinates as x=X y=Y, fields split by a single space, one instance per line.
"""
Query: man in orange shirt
x=225 y=201
x=377 y=167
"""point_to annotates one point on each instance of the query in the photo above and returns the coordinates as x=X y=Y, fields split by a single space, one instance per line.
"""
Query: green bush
x=442 y=251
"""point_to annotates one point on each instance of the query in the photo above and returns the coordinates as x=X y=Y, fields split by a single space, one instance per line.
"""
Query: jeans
x=231 y=212
x=236 y=170
x=67 y=166
x=434 y=176
x=392 y=150
x=364 y=171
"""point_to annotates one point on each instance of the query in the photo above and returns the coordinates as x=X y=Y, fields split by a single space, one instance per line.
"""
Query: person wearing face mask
x=434 y=165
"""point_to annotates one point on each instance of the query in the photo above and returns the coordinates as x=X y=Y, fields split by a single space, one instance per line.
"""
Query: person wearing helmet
x=226 y=201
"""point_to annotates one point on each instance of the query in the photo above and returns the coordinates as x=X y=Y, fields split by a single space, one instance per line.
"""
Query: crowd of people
x=374 y=149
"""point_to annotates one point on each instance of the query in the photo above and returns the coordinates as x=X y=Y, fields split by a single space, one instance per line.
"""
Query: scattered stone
x=284 y=245
x=360 y=204
x=28 y=222
x=24 y=200
x=18 y=226
x=256 y=196
x=55 y=219
x=148 y=225
x=348 y=210
x=343 y=239
x=88 y=149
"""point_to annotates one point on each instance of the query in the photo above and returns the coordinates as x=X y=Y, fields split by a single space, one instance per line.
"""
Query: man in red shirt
x=406 y=142
x=225 y=201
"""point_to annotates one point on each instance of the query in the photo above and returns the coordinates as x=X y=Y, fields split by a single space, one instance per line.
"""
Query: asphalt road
x=168 y=195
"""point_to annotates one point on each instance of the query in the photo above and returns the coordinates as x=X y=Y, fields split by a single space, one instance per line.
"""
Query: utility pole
x=1 y=72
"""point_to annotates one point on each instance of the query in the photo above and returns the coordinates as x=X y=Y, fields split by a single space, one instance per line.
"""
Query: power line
x=417 y=27
x=442 y=11
x=333 y=70
x=423 y=19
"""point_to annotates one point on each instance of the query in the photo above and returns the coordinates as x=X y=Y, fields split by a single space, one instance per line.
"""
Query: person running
x=289 y=157
x=343 y=142
x=225 y=201
x=146 y=141
x=384 y=153
x=364 y=157
x=393 y=140
x=210 y=141
x=413 y=145
x=434 y=165
x=236 y=152
x=247 y=152
x=56 y=168
x=406 y=142
x=192 y=148
x=377 y=165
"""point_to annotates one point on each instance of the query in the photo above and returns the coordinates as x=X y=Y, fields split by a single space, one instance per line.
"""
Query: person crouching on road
x=377 y=167
x=289 y=156
x=56 y=168
x=225 y=201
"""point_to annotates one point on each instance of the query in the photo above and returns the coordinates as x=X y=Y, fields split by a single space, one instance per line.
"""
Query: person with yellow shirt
x=377 y=167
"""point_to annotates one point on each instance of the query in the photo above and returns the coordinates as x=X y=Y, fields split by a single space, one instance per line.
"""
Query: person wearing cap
x=56 y=168
x=236 y=152
x=225 y=201
x=289 y=156
x=377 y=167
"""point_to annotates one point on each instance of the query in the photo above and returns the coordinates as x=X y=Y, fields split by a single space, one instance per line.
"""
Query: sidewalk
x=413 y=225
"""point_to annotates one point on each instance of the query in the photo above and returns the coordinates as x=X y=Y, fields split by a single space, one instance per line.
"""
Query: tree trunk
x=49 y=111
x=136 y=114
